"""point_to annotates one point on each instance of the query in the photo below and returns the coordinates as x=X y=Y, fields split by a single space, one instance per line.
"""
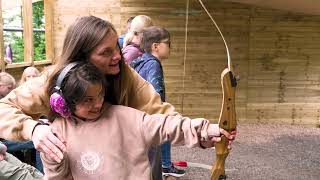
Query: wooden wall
x=275 y=53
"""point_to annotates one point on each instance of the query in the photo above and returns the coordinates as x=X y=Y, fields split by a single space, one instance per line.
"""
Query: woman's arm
x=18 y=111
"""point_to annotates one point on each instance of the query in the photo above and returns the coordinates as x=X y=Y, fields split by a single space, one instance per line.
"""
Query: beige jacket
x=116 y=145
x=22 y=106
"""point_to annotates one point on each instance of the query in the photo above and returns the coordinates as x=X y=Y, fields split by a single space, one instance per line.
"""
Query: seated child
x=13 y=168
x=107 y=141
x=29 y=73
x=7 y=84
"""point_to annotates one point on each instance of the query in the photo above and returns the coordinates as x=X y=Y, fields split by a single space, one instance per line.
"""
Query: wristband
x=38 y=123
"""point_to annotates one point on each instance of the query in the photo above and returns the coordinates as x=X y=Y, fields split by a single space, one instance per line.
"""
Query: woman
x=88 y=38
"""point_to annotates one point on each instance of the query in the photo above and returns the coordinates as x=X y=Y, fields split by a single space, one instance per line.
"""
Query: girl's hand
x=46 y=141
x=215 y=133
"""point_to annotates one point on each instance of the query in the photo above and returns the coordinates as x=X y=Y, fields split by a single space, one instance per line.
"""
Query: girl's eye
x=87 y=100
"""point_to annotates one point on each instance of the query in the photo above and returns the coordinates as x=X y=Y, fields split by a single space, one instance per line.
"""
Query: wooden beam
x=28 y=31
x=48 y=14
x=2 y=62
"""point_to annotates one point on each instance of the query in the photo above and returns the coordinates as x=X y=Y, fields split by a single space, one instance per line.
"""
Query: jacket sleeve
x=21 y=106
x=158 y=128
x=155 y=77
x=142 y=96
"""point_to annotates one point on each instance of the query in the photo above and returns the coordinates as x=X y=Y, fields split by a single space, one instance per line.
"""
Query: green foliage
x=39 y=37
x=16 y=38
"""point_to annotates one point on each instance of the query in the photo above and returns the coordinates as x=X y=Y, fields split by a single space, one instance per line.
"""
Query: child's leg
x=12 y=168
x=166 y=155
x=167 y=167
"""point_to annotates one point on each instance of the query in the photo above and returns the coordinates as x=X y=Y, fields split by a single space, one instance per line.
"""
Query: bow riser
x=227 y=121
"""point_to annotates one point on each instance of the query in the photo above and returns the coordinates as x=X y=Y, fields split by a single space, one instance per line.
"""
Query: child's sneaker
x=172 y=171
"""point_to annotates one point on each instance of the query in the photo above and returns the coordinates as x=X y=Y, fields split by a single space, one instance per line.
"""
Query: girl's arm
x=54 y=170
x=157 y=129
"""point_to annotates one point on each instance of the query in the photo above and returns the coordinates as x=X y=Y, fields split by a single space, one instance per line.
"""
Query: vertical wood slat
x=2 y=63
x=28 y=30
x=48 y=13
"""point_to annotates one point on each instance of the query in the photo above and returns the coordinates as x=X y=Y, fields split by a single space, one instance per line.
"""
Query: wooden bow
x=227 y=119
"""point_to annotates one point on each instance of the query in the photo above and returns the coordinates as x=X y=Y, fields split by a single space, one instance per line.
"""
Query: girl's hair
x=152 y=35
x=25 y=73
x=137 y=25
x=81 y=39
x=74 y=84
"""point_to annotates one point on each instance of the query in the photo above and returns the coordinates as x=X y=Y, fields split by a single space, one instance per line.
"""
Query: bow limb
x=227 y=119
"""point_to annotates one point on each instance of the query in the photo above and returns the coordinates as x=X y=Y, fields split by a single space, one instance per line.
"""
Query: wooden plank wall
x=284 y=68
x=275 y=53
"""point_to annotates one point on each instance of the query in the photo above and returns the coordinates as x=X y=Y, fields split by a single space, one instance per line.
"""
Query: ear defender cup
x=57 y=103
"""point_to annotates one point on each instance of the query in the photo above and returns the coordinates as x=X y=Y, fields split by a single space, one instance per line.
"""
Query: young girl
x=131 y=45
x=29 y=73
x=107 y=141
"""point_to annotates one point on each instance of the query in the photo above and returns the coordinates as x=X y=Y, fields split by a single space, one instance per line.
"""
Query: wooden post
x=48 y=13
x=28 y=31
x=2 y=62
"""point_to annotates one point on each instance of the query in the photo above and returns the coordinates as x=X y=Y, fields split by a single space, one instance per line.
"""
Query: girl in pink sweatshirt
x=107 y=141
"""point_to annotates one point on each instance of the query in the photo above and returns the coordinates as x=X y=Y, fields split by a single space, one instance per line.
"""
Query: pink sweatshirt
x=116 y=145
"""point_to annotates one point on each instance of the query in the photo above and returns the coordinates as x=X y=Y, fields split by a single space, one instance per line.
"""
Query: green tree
x=39 y=37
x=16 y=38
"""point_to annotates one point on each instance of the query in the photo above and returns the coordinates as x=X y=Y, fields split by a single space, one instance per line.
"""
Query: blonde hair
x=25 y=73
x=137 y=25
x=7 y=79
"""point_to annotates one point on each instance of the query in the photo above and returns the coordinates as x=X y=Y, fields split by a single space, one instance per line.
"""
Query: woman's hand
x=47 y=141
x=215 y=133
x=3 y=150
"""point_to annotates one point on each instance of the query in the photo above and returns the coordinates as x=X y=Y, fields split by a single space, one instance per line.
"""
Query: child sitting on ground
x=107 y=141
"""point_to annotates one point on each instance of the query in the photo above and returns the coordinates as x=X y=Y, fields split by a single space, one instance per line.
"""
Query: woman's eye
x=107 y=52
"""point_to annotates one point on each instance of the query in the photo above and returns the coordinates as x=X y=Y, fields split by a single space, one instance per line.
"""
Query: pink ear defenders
x=57 y=102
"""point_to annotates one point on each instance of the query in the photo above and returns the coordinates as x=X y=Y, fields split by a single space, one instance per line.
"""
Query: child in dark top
x=156 y=44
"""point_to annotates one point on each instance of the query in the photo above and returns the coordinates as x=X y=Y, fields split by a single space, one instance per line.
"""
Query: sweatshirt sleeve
x=54 y=170
x=143 y=96
x=158 y=128
x=21 y=106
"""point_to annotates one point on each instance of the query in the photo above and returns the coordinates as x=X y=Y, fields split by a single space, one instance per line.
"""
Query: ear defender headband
x=57 y=102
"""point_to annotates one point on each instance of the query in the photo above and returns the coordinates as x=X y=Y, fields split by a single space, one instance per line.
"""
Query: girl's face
x=90 y=107
x=30 y=74
x=106 y=56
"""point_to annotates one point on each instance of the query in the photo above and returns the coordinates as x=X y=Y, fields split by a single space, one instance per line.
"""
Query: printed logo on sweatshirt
x=90 y=162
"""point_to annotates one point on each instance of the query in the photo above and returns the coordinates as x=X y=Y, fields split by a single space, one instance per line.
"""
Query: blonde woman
x=131 y=46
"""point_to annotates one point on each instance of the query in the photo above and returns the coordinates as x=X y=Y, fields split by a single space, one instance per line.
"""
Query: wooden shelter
x=275 y=52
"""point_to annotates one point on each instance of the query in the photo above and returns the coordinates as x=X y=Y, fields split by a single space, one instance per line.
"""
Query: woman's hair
x=74 y=84
x=152 y=35
x=81 y=39
x=137 y=25
x=25 y=73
